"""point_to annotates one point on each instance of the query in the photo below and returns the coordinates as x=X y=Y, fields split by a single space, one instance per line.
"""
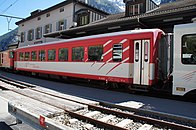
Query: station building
x=139 y=14
x=63 y=16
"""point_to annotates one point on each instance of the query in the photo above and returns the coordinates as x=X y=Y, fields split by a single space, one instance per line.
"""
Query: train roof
x=98 y=36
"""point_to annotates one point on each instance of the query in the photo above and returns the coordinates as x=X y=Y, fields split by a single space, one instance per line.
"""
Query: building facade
x=136 y=7
x=63 y=16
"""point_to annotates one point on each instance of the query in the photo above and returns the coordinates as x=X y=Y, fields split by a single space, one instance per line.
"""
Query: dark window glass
x=34 y=55
x=22 y=36
x=27 y=55
x=11 y=54
x=38 y=32
x=78 y=54
x=95 y=53
x=30 y=35
x=51 y=55
x=189 y=49
x=137 y=52
x=48 y=28
x=63 y=54
x=117 y=52
x=42 y=55
x=21 y=56
x=83 y=19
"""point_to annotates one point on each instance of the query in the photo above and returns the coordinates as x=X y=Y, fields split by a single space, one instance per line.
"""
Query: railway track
x=100 y=115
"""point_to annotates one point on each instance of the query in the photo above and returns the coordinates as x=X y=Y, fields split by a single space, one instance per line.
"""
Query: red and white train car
x=128 y=57
x=6 y=59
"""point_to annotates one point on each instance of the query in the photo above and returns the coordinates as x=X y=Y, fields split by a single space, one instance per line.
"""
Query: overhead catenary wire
x=9 y=6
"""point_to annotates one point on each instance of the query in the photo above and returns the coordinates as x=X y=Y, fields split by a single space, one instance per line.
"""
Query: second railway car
x=128 y=57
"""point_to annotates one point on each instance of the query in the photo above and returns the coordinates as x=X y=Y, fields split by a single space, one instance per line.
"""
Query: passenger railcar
x=123 y=57
x=7 y=59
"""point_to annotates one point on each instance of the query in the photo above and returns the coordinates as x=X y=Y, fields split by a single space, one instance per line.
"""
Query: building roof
x=65 y=2
x=163 y=17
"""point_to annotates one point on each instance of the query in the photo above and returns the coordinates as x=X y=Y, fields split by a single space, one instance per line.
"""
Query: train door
x=141 y=62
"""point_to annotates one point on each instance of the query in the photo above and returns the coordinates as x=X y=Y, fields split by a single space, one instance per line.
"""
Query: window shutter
x=65 y=24
x=57 y=26
x=50 y=27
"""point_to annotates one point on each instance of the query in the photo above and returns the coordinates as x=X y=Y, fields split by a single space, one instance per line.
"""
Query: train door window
x=21 y=56
x=95 y=53
x=117 y=52
x=78 y=54
x=137 y=52
x=27 y=56
x=34 y=55
x=146 y=51
x=63 y=54
x=189 y=49
x=42 y=55
x=11 y=54
x=51 y=55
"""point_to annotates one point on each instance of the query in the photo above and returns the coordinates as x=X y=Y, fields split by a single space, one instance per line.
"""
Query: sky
x=20 y=8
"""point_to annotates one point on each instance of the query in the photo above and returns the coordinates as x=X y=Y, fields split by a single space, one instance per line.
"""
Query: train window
x=146 y=51
x=27 y=55
x=52 y=55
x=117 y=52
x=31 y=35
x=34 y=55
x=63 y=54
x=21 y=56
x=137 y=52
x=95 y=53
x=11 y=54
x=189 y=49
x=78 y=54
x=42 y=55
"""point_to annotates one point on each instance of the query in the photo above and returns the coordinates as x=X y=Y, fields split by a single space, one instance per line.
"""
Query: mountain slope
x=7 y=39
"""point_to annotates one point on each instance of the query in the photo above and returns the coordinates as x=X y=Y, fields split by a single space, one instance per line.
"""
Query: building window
x=189 y=49
x=48 y=15
x=48 y=28
x=51 y=55
x=135 y=9
x=34 y=55
x=63 y=54
x=61 y=25
x=30 y=35
x=95 y=53
x=22 y=36
x=61 y=9
x=38 y=32
x=78 y=54
x=39 y=18
x=83 y=18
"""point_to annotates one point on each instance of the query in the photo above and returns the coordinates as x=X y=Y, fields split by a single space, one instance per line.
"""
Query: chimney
x=35 y=12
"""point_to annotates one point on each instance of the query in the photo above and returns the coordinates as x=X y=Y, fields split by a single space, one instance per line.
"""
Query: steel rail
x=109 y=111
